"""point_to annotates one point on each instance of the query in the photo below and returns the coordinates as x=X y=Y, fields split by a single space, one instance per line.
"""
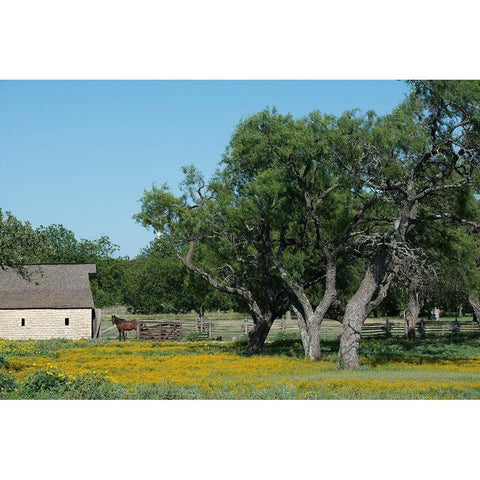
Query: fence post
x=455 y=326
x=209 y=329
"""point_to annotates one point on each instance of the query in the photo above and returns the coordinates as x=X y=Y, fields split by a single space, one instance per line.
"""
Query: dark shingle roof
x=50 y=286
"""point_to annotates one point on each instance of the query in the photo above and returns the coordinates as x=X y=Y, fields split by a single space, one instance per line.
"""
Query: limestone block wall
x=45 y=323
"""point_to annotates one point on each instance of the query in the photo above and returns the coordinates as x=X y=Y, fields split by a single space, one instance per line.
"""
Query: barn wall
x=46 y=323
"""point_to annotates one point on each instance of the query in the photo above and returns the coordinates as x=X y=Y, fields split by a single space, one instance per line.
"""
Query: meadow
x=445 y=367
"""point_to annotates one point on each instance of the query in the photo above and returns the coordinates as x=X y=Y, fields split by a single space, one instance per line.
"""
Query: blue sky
x=81 y=153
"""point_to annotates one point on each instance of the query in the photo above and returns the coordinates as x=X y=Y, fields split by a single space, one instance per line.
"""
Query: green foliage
x=59 y=245
x=7 y=383
x=4 y=362
x=430 y=350
x=158 y=282
x=285 y=344
x=93 y=387
x=195 y=337
x=20 y=243
x=109 y=281
x=44 y=381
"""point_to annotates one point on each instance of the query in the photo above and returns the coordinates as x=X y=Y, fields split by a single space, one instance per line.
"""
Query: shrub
x=4 y=363
x=94 y=387
x=279 y=336
x=195 y=337
x=7 y=383
x=44 y=381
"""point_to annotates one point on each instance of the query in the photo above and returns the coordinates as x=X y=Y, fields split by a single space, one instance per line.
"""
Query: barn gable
x=49 y=286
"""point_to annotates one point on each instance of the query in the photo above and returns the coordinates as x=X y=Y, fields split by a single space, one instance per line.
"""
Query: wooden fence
x=190 y=328
x=159 y=330
x=228 y=329
x=424 y=327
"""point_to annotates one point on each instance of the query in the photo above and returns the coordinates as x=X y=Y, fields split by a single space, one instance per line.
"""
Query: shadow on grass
x=378 y=351
x=431 y=349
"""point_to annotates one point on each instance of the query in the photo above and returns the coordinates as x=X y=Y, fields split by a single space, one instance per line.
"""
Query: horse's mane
x=121 y=319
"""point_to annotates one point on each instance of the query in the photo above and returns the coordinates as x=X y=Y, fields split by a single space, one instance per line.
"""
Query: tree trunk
x=258 y=335
x=356 y=312
x=302 y=327
x=310 y=335
x=310 y=320
x=314 y=341
x=412 y=312
x=474 y=300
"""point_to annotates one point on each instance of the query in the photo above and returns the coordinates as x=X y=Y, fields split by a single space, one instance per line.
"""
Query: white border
x=252 y=39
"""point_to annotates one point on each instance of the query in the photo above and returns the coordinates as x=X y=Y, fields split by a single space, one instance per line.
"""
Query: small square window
x=23 y=322
x=67 y=321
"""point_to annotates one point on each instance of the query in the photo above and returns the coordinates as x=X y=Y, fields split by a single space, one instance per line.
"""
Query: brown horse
x=123 y=326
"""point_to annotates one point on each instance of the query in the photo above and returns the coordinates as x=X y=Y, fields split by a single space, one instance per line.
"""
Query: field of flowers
x=445 y=368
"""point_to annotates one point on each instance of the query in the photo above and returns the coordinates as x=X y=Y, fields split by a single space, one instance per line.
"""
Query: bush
x=195 y=337
x=43 y=381
x=7 y=383
x=4 y=363
x=94 y=387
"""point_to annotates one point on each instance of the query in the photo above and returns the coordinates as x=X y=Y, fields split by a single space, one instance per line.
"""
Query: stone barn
x=54 y=302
